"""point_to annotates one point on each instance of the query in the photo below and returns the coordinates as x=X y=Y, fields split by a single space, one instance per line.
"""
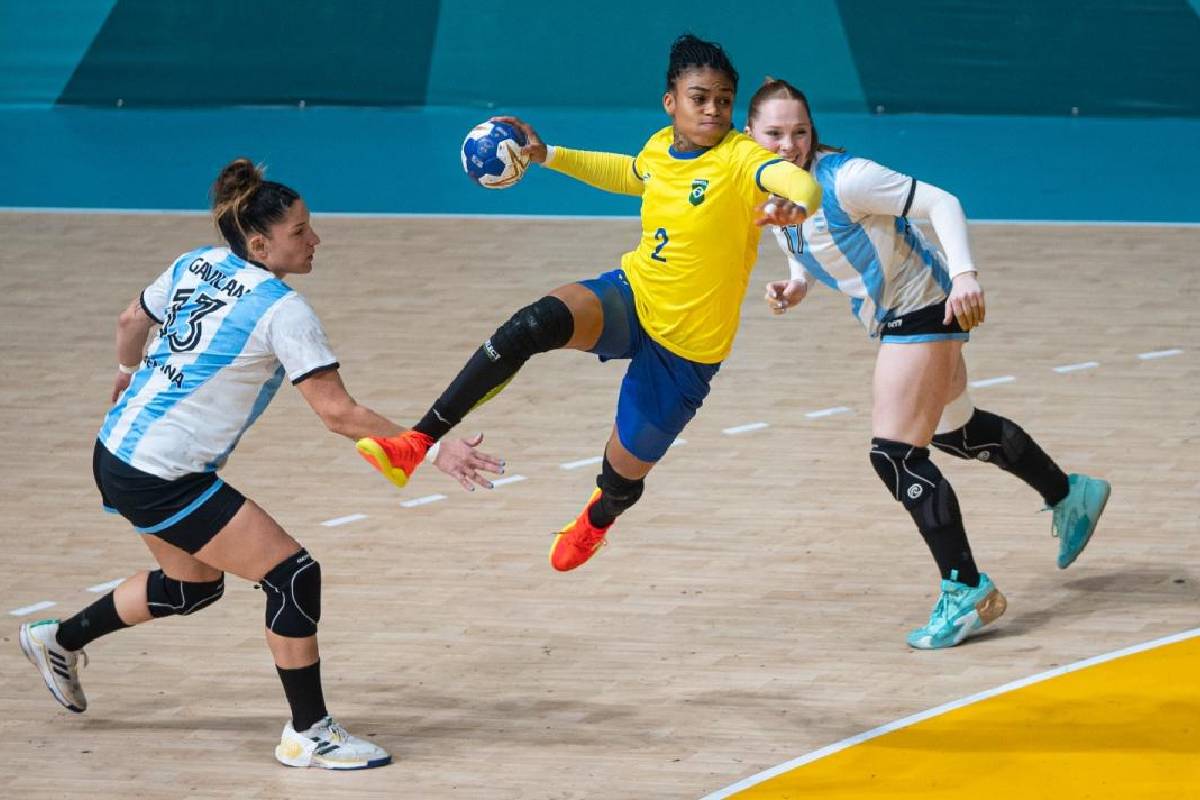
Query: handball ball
x=491 y=155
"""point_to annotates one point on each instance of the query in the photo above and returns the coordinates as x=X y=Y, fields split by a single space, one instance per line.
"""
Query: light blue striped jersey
x=229 y=331
x=861 y=244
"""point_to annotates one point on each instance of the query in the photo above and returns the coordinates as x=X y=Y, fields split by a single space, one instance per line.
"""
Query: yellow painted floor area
x=1127 y=728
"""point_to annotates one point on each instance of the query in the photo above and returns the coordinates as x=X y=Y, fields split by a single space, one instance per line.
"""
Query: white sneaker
x=328 y=745
x=58 y=665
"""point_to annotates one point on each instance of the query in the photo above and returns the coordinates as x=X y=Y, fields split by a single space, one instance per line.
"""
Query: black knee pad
x=916 y=482
x=986 y=437
x=293 y=588
x=618 y=493
x=538 y=328
x=168 y=597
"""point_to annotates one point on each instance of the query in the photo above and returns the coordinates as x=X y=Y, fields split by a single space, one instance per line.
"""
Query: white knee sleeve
x=956 y=413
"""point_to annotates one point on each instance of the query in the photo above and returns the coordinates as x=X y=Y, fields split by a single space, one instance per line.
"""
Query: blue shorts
x=661 y=391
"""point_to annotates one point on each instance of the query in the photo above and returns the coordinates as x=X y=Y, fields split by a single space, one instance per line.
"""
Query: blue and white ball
x=491 y=155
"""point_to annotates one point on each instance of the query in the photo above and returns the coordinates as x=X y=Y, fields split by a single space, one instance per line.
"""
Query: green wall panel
x=41 y=43
x=1040 y=57
x=614 y=54
x=225 y=52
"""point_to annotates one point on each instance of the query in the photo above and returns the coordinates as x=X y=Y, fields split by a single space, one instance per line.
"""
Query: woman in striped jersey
x=920 y=303
x=229 y=331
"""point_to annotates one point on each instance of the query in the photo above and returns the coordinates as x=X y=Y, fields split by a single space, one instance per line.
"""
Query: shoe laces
x=330 y=730
x=589 y=537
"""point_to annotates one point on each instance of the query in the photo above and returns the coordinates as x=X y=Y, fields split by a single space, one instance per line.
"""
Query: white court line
x=583 y=462
x=421 y=501
x=677 y=442
x=992 y=381
x=20 y=612
x=1158 y=354
x=1077 y=367
x=104 y=587
x=346 y=520
x=753 y=426
x=827 y=412
x=874 y=733
x=509 y=479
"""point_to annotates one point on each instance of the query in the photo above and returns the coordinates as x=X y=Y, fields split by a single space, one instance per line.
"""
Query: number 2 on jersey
x=661 y=237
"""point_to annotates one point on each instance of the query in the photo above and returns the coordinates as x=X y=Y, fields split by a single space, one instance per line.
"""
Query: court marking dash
x=828 y=412
x=346 y=520
x=583 y=462
x=20 y=612
x=421 y=501
x=752 y=426
x=992 y=381
x=104 y=587
x=509 y=479
x=1077 y=367
x=1158 y=354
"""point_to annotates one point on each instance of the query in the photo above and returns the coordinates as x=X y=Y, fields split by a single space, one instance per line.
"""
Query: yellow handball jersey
x=699 y=242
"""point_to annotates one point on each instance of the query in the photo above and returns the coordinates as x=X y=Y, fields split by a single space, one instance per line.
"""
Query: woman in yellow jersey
x=920 y=303
x=672 y=308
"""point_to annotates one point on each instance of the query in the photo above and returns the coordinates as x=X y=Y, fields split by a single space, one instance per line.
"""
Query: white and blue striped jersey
x=229 y=332
x=861 y=243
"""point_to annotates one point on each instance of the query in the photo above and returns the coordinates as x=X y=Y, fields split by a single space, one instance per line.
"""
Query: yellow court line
x=1122 y=725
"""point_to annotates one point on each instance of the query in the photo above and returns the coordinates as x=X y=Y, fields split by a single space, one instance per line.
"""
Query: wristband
x=432 y=453
x=126 y=370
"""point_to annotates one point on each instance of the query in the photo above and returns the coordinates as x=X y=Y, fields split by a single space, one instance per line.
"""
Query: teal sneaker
x=960 y=612
x=1076 y=515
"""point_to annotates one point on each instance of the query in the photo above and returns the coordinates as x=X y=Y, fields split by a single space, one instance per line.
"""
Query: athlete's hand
x=782 y=295
x=965 y=303
x=459 y=459
x=120 y=384
x=535 y=148
x=779 y=211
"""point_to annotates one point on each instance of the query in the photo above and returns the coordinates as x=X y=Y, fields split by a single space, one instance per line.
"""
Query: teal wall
x=1030 y=57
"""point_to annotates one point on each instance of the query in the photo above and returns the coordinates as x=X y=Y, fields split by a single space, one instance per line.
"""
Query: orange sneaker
x=397 y=457
x=578 y=541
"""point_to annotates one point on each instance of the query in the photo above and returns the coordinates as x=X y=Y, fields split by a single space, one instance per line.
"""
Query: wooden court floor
x=752 y=608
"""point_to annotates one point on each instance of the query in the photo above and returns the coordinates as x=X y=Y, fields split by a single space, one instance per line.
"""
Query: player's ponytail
x=243 y=203
x=692 y=52
x=773 y=88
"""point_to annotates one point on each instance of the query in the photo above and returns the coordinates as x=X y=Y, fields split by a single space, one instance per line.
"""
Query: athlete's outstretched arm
x=133 y=326
x=611 y=172
x=788 y=181
x=328 y=397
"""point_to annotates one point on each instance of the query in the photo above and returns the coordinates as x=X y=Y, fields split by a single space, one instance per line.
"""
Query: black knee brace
x=986 y=437
x=293 y=588
x=916 y=482
x=537 y=328
x=168 y=597
x=617 y=493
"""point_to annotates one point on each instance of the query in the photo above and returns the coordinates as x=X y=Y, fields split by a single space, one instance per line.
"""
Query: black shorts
x=923 y=325
x=186 y=512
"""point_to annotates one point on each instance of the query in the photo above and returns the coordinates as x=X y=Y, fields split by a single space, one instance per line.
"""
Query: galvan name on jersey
x=219 y=280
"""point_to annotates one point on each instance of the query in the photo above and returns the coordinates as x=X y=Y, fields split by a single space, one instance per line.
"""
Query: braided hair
x=691 y=52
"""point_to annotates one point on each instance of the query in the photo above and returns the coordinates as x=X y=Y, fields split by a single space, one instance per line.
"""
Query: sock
x=302 y=687
x=98 y=619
